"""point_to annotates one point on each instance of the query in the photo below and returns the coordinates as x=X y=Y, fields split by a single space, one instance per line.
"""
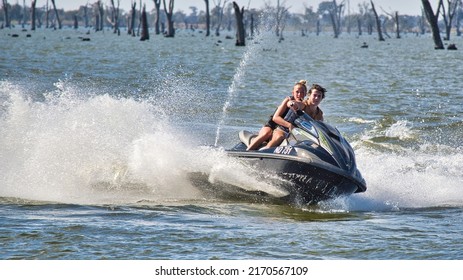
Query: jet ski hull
x=307 y=181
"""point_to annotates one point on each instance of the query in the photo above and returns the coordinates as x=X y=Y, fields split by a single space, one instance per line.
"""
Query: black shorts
x=271 y=124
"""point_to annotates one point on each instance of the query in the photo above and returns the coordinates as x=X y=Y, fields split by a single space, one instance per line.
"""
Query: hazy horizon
x=410 y=7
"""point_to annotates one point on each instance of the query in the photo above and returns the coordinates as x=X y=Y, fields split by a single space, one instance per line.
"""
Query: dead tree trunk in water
x=139 y=20
x=458 y=20
x=56 y=14
x=395 y=17
x=335 y=15
x=448 y=15
x=133 y=14
x=219 y=10
x=97 y=22
x=170 y=20
x=99 y=12
x=335 y=26
x=144 y=26
x=86 y=16
x=47 y=15
x=23 y=20
x=208 y=19
x=115 y=17
x=6 y=13
x=397 y=27
x=252 y=26
x=33 y=3
x=433 y=22
x=378 y=22
x=359 y=26
x=157 y=5
x=240 y=33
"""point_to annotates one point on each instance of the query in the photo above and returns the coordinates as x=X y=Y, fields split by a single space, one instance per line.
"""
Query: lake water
x=97 y=139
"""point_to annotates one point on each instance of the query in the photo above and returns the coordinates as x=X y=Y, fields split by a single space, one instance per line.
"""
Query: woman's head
x=300 y=90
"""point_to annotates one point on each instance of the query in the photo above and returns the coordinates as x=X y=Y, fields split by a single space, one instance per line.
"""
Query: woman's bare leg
x=264 y=134
x=277 y=137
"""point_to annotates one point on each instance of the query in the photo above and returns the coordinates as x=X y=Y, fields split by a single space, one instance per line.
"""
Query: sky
x=405 y=7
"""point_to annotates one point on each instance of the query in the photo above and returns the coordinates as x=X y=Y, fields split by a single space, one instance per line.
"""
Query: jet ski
x=314 y=163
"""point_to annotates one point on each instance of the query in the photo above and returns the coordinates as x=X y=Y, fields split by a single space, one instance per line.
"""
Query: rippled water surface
x=98 y=138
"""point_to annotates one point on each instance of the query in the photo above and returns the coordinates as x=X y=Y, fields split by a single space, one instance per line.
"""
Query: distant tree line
x=330 y=16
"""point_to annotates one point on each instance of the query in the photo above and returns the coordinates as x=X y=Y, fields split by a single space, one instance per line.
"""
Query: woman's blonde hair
x=302 y=83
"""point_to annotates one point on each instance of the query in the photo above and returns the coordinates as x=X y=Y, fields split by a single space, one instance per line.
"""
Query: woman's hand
x=295 y=105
